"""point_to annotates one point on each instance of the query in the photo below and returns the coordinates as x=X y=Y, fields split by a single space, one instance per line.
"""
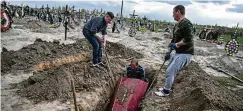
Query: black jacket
x=137 y=73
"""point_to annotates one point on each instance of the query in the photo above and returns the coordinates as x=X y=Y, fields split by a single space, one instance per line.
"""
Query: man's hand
x=99 y=39
x=102 y=40
x=173 y=46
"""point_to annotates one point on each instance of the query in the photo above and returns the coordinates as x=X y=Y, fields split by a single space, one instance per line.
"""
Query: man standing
x=90 y=30
x=182 y=43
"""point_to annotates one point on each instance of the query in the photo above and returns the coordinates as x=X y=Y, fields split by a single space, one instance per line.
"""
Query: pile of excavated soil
x=33 y=24
x=38 y=26
x=41 y=51
x=55 y=83
x=195 y=90
x=22 y=21
x=37 y=52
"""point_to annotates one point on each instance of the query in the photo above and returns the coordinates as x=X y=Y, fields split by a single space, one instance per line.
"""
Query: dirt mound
x=55 y=83
x=41 y=51
x=33 y=24
x=195 y=90
x=38 y=26
x=19 y=21
x=201 y=92
x=119 y=50
x=33 y=54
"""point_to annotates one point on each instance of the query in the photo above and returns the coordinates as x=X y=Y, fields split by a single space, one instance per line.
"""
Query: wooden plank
x=74 y=96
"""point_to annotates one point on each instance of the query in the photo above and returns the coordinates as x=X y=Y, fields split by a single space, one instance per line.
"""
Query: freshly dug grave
x=195 y=90
x=93 y=85
x=38 y=26
x=40 y=51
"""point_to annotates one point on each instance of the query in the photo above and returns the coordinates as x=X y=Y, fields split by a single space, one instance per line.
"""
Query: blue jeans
x=97 y=48
x=177 y=62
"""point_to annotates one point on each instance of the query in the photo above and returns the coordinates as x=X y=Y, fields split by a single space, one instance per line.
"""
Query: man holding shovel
x=182 y=43
x=90 y=30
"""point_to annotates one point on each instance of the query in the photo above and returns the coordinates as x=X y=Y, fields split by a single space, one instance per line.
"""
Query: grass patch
x=228 y=38
x=226 y=81
x=240 y=76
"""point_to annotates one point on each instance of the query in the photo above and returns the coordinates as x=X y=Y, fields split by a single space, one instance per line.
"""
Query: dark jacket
x=137 y=73
x=96 y=25
x=183 y=31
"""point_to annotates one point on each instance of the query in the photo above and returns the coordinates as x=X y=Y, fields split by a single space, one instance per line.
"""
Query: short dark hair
x=181 y=8
x=110 y=14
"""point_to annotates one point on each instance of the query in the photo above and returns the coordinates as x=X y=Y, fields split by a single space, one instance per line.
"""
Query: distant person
x=194 y=30
x=90 y=30
x=134 y=70
x=182 y=43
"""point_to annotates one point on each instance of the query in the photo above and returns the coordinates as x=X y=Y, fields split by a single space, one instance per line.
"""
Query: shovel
x=155 y=76
x=111 y=74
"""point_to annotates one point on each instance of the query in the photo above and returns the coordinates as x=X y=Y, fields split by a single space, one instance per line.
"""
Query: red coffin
x=128 y=94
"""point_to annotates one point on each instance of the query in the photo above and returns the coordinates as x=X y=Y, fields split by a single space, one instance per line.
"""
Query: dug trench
x=54 y=65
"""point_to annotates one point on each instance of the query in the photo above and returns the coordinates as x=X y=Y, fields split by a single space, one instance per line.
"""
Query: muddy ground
x=32 y=42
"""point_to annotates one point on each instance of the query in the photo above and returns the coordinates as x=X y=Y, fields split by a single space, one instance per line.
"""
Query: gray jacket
x=96 y=25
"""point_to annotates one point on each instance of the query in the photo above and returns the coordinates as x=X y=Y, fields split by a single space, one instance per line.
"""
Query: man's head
x=108 y=17
x=178 y=12
x=134 y=64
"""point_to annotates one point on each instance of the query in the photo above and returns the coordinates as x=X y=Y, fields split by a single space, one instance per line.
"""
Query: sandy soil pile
x=38 y=26
x=195 y=90
x=32 y=54
x=33 y=24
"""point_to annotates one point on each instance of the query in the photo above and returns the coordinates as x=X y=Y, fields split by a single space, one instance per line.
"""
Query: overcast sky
x=206 y=12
